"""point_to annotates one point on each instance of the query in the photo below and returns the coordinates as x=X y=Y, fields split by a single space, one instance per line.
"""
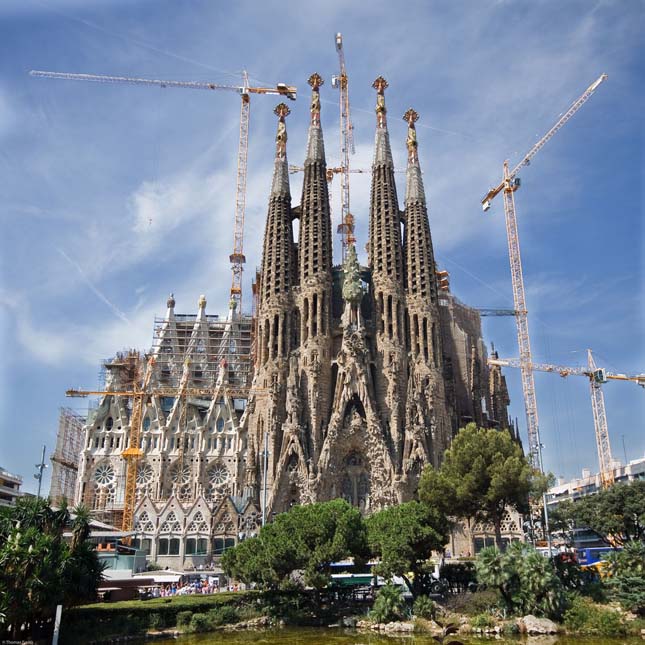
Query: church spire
x=315 y=145
x=386 y=256
x=277 y=257
x=414 y=185
x=382 y=150
x=419 y=255
x=280 y=184
x=314 y=243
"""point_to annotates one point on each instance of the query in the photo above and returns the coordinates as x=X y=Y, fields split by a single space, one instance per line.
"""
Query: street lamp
x=39 y=475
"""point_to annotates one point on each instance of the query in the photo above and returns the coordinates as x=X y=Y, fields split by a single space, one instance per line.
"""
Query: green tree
x=616 y=514
x=525 y=580
x=402 y=537
x=484 y=472
x=38 y=568
x=307 y=538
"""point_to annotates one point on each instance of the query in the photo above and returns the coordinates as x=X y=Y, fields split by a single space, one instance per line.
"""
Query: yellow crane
x=597 y=376
x=508 y=185
x=133 y=452
x=237 y=258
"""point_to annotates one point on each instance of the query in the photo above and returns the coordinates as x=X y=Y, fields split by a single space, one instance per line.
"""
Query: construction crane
x=597 y=377
x=484 y=311
x=341 y=82
x=509 y=184
x=133 y=452
x=237 y=258
x=336 y=170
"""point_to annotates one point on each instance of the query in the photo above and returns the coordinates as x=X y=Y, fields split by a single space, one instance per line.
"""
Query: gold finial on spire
x=315 y=80
x=411 y=117
x=380 y=85
x=281 y=111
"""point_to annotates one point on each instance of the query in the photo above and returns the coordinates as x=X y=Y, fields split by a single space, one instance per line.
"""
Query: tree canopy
x=616 y=514
x=38 y=568
x=402 y=537
x=483 y=473
x=307 y=538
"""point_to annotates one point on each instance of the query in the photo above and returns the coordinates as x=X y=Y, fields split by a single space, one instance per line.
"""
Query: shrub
x=629 y=591
x=425 y=607
x=135 y=623
x=184 y=618
x=81 y=624
x=585 y=617
x=510 y=629
x=389 y=604
x=473 y=603
x=156 y=622
x=200 y=623
x=224 y=615
x=525 y=580
x=482 y=621
x=627 y=582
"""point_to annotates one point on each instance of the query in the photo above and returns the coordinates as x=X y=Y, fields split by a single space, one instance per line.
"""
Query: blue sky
x=113 y=196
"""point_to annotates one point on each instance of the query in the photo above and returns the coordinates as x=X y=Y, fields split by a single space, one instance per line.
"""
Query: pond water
x=332 y=636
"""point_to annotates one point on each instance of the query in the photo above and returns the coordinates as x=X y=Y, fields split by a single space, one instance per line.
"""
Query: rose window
x=145 y=474
x=217 y=475
x=104 y=474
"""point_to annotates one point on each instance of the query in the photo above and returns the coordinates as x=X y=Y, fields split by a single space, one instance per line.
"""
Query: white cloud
x=8 y=118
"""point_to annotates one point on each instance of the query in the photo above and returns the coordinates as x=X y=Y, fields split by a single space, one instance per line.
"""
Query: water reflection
x=322 y=636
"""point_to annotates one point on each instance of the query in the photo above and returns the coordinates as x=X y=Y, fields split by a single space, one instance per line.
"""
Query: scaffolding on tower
x=69 y=443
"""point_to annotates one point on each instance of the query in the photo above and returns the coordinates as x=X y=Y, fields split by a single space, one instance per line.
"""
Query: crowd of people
x=202 y=586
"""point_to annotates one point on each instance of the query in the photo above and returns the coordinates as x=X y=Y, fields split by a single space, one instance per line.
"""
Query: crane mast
x=603 y=444
x=509 y=184
x=522 y=321
x=597 y=376
x=346 y=227
x=133 y=452
x=237 y=258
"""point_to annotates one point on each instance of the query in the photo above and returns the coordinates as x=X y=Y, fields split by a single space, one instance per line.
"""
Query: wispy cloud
x=95 y=290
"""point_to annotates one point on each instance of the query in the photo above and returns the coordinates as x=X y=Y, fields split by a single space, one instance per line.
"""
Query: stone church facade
x=362 y=374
